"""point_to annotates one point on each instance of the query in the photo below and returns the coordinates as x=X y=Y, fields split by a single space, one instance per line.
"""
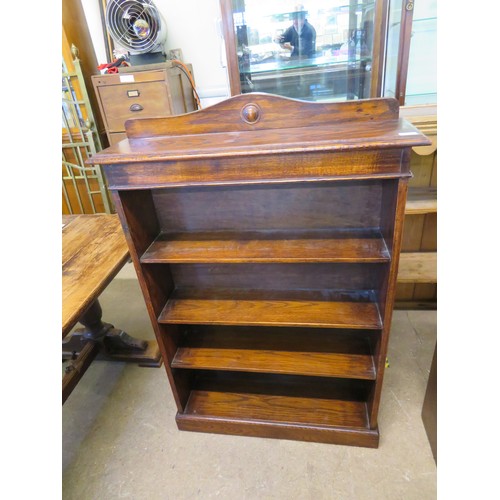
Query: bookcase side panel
x=388 y=291
x=140 y=225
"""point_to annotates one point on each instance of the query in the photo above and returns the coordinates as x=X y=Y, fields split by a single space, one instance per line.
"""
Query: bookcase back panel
x=278 y=338
x=339 y=204
x=285 y=385
x=279 y=276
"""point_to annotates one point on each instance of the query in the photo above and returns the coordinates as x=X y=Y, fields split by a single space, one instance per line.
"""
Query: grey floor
x=120 y=439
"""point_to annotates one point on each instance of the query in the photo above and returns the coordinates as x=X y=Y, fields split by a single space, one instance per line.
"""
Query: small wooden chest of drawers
x=151 y=93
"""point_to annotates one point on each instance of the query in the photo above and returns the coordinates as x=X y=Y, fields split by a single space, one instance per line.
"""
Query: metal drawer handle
x=136 y=107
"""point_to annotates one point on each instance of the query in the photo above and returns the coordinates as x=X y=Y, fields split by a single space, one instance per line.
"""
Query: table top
x=94 y=249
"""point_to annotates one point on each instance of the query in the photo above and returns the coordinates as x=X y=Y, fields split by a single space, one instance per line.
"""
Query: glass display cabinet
x=322 y=50
x=330 y=50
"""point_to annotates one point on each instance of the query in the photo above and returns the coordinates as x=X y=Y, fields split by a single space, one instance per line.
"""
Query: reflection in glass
x=320 y=50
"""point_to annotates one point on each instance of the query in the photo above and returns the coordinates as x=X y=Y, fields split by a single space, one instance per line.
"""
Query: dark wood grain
x=345 y=389
x=338 y=340
x=286 y=409
x=387 y=295
x=342 y=401
x=274 y=350
x=353 y=278
x=138 y=209
x=348 y=436
x=284 y=308
x=232 y=247
x=267 y=251
x=256 y=143
x=272 y=110
x=256 y=169
x=284 y=417
x=258 y=360
x=368 y=124
x=387 y=212
x=140 y=225
x=300 y=207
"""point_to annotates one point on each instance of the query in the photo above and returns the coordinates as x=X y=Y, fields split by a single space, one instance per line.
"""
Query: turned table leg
x=115 y=341
x=98 y=338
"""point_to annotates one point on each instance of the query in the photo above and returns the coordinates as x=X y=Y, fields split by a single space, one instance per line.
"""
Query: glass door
x=392 y=56
x=410 y=56
x=320 y=50
x=421 y=84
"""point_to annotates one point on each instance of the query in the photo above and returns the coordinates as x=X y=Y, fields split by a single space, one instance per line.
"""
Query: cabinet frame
x=268 y=257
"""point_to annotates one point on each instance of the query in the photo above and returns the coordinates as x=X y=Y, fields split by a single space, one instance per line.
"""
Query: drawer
x=133 y=100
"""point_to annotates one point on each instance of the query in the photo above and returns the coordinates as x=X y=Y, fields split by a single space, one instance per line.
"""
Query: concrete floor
x=120 y=439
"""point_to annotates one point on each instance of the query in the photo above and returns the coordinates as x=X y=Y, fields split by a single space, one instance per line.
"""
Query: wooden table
x=94 y=250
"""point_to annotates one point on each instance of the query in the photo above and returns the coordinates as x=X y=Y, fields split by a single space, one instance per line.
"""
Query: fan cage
x=120 y=18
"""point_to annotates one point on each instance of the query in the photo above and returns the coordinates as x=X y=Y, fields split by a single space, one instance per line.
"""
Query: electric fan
x=138 y=27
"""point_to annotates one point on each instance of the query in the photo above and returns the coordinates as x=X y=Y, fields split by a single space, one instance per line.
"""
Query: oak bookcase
x=265 y=233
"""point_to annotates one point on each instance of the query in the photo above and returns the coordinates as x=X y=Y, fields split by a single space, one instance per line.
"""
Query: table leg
x=77 y=367
x=118 y=345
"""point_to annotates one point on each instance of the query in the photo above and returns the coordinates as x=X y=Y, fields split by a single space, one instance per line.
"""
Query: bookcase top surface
x=259 y=124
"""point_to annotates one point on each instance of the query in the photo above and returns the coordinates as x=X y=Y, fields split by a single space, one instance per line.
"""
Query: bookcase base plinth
x=368 y=438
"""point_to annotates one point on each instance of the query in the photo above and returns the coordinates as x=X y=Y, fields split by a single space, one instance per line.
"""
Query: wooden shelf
x=421 y=200
x=320 y=308
x=417 y=267
x=288 y=351
x=268 y=247
x=285 y=409
x=280 y=406
x=326 y=420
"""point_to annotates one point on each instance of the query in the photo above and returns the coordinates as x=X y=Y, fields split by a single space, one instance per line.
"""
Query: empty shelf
x=286 y=409
x=287 y=351
x=321 y=308
x=305 y=363
x=268 y=246
x=252 y=414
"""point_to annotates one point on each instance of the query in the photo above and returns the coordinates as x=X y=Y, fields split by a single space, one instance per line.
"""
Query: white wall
x=192 y=27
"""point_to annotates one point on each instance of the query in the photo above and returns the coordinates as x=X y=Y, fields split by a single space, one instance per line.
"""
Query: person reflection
x=300 y=38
